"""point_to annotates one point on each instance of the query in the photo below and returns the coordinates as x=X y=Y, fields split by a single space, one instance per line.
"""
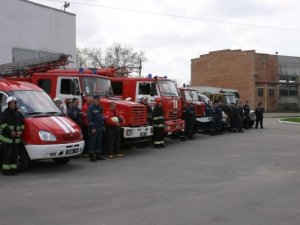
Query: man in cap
x=259 y=112
x=190 y=120
x=11 y=127
x=158 y=124
x=96 y=124
x=75 y=113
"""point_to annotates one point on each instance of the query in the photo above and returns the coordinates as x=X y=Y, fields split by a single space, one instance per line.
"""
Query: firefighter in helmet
x=11 y=127
x=158 y=124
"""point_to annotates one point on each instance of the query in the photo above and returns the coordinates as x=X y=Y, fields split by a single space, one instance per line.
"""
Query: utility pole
x=140 y=68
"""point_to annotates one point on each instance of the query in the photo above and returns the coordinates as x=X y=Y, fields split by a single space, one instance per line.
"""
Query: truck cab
x=48 y=133
x=139 y=87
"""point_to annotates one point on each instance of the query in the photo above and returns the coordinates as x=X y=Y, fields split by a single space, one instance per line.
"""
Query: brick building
x=270 y=79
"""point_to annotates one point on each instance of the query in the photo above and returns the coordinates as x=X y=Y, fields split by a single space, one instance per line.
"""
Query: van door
x=68 y=88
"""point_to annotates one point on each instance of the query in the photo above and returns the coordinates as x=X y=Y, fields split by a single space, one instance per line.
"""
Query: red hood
x=60 y=126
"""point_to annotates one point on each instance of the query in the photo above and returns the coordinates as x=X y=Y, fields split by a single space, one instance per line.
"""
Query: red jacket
x=84 y=111
x=109 y=114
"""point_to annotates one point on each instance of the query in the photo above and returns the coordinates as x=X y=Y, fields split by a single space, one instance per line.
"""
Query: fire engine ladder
x=27 y=67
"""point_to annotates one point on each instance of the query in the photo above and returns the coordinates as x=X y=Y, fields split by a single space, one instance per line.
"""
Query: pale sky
x=171 y=42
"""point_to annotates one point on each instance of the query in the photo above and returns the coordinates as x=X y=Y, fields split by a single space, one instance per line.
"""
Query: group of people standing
x=95 y=125
x=239 y=117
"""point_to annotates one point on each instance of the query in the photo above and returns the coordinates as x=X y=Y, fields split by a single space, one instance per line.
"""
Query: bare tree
x=119 y=56
x=81 y=57
x=95 y=57
x=122 y=56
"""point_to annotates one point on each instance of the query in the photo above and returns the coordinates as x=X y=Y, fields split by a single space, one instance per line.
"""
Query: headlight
x=46 y=136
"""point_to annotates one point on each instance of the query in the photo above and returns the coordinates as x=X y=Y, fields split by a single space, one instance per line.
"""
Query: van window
x=45 y=84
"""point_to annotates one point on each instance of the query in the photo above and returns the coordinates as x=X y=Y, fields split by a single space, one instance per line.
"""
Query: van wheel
x=23 y=160
x=61 y=160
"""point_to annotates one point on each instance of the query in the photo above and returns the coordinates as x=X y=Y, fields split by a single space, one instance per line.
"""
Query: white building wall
x=31 y=26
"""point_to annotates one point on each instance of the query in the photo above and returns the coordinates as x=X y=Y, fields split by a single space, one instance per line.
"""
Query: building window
x=260 y=91
x=271 y=92
x=287 y=85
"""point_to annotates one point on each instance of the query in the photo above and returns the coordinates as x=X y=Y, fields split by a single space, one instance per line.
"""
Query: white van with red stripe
x=48 y=133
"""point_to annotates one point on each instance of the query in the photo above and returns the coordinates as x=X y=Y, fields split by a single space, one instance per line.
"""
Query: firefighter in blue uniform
x=218 y=117
x=11 y=127
x=96 y=125
x=158 y=124
x=190 y=120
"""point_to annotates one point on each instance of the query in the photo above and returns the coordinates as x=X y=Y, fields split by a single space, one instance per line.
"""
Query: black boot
x=6 y=172
x=99 y=156
x=92 y=157
x=14 y=172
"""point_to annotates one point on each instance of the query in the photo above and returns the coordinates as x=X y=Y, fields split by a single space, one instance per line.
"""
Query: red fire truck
x=70 y=83
x=48 y=133
x=137 y=88
x=190 y=95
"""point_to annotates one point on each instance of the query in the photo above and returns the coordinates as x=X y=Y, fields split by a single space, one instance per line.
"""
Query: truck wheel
x=23 y=160
x=61 y=160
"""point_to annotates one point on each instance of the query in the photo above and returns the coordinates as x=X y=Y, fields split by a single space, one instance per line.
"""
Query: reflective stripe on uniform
x=11 y=127
x=157 y=142
x=6 y=140
x=6 y=167
x=158 y=125
x=3 y=126
x=158 y=117
x=13 y=166
x=18 y=140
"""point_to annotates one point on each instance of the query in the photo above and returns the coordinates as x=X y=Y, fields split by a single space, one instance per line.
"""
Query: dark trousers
x=10 y=156
x=113 y=138
x=189 y=129
x=158 y=136
x=260 y=121
x=85 y=134
x=95 y=140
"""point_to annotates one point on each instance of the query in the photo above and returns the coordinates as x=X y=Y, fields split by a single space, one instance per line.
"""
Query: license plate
x=143 y=134
x=72 y=151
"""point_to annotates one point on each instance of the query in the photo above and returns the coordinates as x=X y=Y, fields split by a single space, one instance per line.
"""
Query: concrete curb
x=286 y=122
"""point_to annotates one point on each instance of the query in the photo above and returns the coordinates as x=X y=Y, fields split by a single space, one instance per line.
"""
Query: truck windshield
x=230 y=99
x=167 y=88
x=34 y=102
x=191 y=95
x=95 y=85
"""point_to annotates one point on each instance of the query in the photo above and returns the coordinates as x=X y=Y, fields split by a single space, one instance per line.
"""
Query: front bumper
x=54 y=151
x=137 y=132
x=204 y=119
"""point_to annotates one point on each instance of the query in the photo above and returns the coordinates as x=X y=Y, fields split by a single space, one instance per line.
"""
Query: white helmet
x=115 y=119
x=10 y=99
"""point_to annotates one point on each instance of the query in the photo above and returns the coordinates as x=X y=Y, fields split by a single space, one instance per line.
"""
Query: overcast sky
x=171 y=42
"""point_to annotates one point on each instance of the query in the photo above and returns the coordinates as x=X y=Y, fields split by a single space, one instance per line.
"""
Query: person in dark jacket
x=158 y=124
x=218 y=117
x=259 y=112
x=11 y=127
x=190 y=120
x=75 y=113
x=96 y=125
x=246 y=109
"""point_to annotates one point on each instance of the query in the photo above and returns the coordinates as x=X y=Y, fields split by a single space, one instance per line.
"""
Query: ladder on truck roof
x=27 y=67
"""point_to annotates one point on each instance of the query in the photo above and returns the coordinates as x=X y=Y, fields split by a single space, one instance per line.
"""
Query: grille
x=138 y=115
x=71 y=137
x=173 y=115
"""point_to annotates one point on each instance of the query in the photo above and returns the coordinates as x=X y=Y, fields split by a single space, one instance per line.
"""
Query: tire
x=64 y=160
x=23 y=160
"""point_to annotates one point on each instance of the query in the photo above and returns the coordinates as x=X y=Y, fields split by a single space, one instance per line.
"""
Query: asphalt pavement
x=250 y=178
